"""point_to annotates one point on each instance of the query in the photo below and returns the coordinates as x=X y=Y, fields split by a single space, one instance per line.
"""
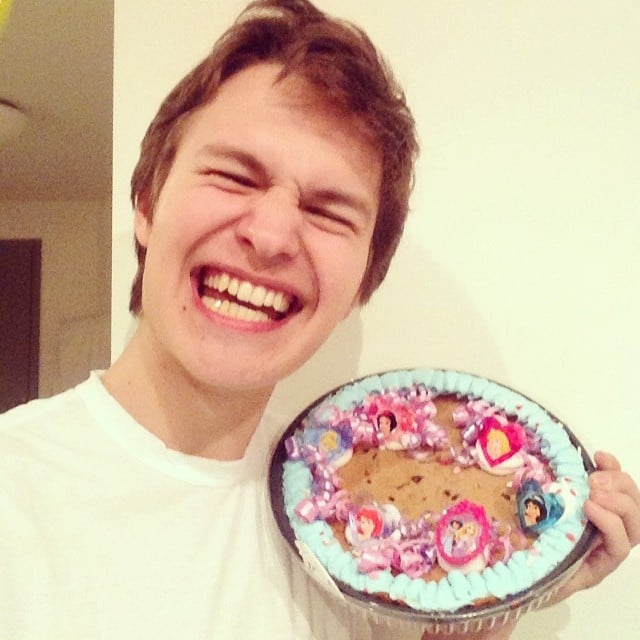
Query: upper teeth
x=245 y=291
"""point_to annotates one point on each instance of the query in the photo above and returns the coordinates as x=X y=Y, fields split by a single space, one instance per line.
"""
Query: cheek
x=189 y=214
x=340 y=267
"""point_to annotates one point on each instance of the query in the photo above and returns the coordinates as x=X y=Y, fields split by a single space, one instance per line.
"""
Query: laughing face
x=260 y=235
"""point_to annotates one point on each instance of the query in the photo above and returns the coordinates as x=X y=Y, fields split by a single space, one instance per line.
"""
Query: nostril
x=269 y=233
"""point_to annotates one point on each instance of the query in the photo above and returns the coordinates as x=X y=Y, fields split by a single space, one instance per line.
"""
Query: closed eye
x=339 y=211
x=330 y=221
x=228 y=180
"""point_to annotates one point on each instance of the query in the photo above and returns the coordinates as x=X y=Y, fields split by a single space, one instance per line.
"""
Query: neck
x=185 y=414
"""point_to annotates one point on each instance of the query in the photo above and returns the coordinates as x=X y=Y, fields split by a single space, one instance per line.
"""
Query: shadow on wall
x=424 y=316
x=421 y=317
x=333 y=364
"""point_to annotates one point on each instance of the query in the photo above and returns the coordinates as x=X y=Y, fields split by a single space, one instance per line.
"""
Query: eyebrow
x=322 y=195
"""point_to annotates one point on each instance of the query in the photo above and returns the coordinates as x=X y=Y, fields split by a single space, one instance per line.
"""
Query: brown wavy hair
x=338 y=59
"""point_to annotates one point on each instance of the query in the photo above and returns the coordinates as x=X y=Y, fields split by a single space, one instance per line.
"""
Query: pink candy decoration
x=414 y=557
x=533 y=469
x=306 y=510
x=373 y=560
x=498 y=550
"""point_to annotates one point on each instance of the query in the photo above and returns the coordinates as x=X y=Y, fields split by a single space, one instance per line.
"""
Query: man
x=269 y=197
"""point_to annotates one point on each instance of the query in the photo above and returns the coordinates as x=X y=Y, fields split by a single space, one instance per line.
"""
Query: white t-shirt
x=107 y=534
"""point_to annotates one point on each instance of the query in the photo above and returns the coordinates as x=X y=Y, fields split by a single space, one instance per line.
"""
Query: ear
x=142 y=221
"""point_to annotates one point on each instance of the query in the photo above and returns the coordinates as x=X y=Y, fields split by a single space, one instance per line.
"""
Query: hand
x=614 y=508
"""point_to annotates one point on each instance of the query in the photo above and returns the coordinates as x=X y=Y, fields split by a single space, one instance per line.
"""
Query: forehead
x=283 y=128
x=262 y=85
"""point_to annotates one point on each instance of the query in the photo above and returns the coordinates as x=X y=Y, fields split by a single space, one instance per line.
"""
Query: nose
x=271 y=225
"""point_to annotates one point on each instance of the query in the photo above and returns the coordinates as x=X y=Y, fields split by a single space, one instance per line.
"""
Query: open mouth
x=229 y=296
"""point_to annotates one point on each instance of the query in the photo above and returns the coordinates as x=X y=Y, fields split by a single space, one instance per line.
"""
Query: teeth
x=212 y=282
x=258 y=296
x=260 y=316
x=211 y=303
x=233 y=310
x=244 y=291
x=279 y=303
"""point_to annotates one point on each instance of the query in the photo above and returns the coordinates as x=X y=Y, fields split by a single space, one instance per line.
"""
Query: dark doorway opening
x=20 y=265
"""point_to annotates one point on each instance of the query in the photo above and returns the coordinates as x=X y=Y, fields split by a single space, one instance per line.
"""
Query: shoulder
x=43 y=414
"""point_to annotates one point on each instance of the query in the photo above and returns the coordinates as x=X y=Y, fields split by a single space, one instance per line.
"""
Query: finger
x=606 y=461
x=616 y=491
x=615 y=481
x=598 y=562
x=622 y=505
x=615 y=546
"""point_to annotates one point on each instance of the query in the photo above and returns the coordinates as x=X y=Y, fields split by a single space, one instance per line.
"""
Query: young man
x=269 y=197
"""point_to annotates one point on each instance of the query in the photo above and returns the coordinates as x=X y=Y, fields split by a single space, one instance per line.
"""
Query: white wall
x=75 y=284
x=520 y=260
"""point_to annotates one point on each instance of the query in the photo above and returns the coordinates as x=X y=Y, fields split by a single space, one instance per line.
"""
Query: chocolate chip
x=416 y=479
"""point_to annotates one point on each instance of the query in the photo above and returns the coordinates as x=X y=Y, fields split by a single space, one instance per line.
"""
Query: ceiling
x=56 y=63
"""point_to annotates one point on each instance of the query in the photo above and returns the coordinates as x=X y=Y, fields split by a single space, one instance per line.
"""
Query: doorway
x=20 y=267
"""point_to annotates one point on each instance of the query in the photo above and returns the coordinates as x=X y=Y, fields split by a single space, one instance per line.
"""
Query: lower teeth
x=233 y=310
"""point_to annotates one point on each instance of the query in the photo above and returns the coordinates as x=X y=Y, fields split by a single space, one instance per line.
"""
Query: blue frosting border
x=456 y=590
